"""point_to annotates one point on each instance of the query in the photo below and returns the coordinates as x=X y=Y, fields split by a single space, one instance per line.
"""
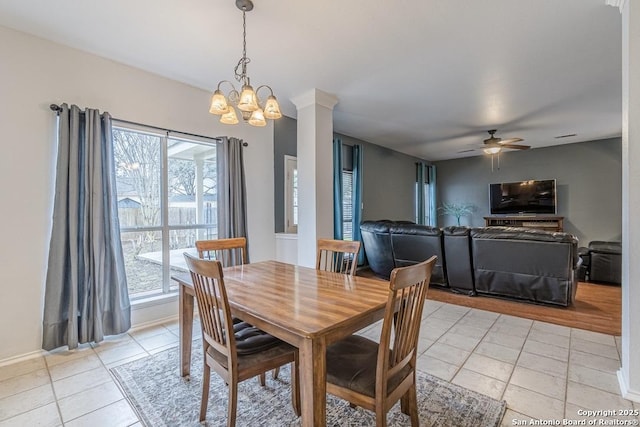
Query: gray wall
x=588 y=178
x=388 y=178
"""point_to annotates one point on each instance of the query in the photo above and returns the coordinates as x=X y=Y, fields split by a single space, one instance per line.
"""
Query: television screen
x=524 y=197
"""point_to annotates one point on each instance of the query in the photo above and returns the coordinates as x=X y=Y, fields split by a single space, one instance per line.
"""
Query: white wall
x=35 y=73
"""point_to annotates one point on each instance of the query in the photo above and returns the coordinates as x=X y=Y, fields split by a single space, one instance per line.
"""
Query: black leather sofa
x=509 y=262
x=533 y=265
x=604 y=262
x=399 y=244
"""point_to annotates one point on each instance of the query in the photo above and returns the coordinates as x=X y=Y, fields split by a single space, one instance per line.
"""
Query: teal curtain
x=420 y=196
x=357 y=197
x=426 y=207
x=433 y=207
x=337 y=189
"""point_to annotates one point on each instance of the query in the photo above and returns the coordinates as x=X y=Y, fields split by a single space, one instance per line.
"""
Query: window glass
x=347 y=205
x=291 y=194
x=166 y=201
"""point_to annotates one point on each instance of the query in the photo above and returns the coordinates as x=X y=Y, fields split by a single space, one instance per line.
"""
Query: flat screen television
x=524 y=197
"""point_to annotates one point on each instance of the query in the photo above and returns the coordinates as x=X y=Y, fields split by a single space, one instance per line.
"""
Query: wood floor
x=597 y=308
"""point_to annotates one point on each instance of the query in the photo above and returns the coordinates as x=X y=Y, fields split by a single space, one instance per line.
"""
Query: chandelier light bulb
x=257 y=118
x=230 y=117
x=248 y=99
x=218 y=103
x=272 y=108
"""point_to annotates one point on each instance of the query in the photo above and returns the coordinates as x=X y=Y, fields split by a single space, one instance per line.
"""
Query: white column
x=315 y=171
x=629 y=374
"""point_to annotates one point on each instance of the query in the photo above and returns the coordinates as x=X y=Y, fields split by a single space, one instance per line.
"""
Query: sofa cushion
x=413 y=243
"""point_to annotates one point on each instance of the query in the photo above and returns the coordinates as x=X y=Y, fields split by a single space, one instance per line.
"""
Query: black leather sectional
x=530 y=265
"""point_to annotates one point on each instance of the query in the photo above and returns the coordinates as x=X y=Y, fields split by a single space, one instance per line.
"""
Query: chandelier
x=253 y=111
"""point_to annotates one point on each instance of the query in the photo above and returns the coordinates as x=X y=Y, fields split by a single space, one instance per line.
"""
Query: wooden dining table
x=308 y=308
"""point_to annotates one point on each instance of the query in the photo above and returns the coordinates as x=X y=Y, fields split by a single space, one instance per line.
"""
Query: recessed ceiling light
x=569 y=135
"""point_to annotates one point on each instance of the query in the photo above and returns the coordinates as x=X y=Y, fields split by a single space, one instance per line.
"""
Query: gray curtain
x=232 y=194
x=86 y=294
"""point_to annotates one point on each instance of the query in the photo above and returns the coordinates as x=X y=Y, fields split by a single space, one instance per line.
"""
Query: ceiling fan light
x=492 y=150
x=248 y=99
x=230 y=117
x=272 y=108
x=218 y=103
x=257 y=118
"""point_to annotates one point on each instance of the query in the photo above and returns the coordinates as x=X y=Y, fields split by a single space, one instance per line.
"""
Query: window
x=290 y=194
x=166 y=201
x=347 y=205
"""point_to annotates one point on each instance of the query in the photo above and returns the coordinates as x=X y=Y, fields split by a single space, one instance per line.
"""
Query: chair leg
x=262 y=378
x=206 y=377
x=381 y=416
x=233 y=401
x=275 y=373
x=404 y=404
x=295 y=388
x=412 y=403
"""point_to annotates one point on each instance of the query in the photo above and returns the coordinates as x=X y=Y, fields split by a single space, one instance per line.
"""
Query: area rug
x=164 y=399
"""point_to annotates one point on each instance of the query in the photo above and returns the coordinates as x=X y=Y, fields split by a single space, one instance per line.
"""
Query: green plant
x=457 y=210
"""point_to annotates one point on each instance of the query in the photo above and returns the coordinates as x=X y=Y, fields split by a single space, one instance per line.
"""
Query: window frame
x=165 y=228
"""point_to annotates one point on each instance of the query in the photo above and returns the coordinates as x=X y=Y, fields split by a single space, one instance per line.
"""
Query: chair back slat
x=338 y=256
x=213 y=305
x=230 y=252
x=403 y=315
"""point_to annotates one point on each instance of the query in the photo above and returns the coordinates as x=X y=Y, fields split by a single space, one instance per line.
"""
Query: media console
x=540 y=222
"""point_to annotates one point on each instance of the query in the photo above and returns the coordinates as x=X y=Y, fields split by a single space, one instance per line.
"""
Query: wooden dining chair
x=375 y=376
x=220 y=341
x=229 y=251
x=339 y=256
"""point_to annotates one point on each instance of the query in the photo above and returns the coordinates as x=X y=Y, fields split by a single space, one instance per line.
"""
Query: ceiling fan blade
x=516 y=147
x=510 y=141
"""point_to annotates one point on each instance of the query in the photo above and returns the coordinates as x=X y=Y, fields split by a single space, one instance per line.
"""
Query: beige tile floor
x=543 y=371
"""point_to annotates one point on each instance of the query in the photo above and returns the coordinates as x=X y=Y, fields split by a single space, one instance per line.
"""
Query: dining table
x=308 y=308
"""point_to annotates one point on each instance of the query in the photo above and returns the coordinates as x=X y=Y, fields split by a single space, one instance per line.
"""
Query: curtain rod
x=58 y=109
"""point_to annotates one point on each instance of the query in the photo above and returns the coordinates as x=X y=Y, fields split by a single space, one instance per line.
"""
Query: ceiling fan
x=494 y=145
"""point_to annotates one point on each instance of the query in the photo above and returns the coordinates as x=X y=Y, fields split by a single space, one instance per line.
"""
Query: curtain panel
x=86 y=295
x=338 y=232
x=357 y=197
x=231 y=190
x=426 y=208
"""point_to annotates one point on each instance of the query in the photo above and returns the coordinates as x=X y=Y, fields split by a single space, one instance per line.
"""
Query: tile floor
x=543 y=371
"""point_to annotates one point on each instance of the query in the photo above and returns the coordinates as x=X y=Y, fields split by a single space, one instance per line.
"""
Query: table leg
x=185 y=315
x=313 y=387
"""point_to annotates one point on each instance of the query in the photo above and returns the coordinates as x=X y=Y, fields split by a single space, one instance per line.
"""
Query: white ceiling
x=424 y=77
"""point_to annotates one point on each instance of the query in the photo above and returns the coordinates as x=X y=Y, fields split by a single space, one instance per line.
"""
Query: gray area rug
x=162 y=398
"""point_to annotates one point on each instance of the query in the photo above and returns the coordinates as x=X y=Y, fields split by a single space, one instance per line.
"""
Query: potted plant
x=457 y=210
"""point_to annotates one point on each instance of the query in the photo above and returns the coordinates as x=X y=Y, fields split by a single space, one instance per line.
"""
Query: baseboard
x=632 y=395
x=151 y=323
x=22 y=357
x=41 y=353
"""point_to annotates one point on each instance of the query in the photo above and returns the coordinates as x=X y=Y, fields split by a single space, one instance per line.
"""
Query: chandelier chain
x=242 y=64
